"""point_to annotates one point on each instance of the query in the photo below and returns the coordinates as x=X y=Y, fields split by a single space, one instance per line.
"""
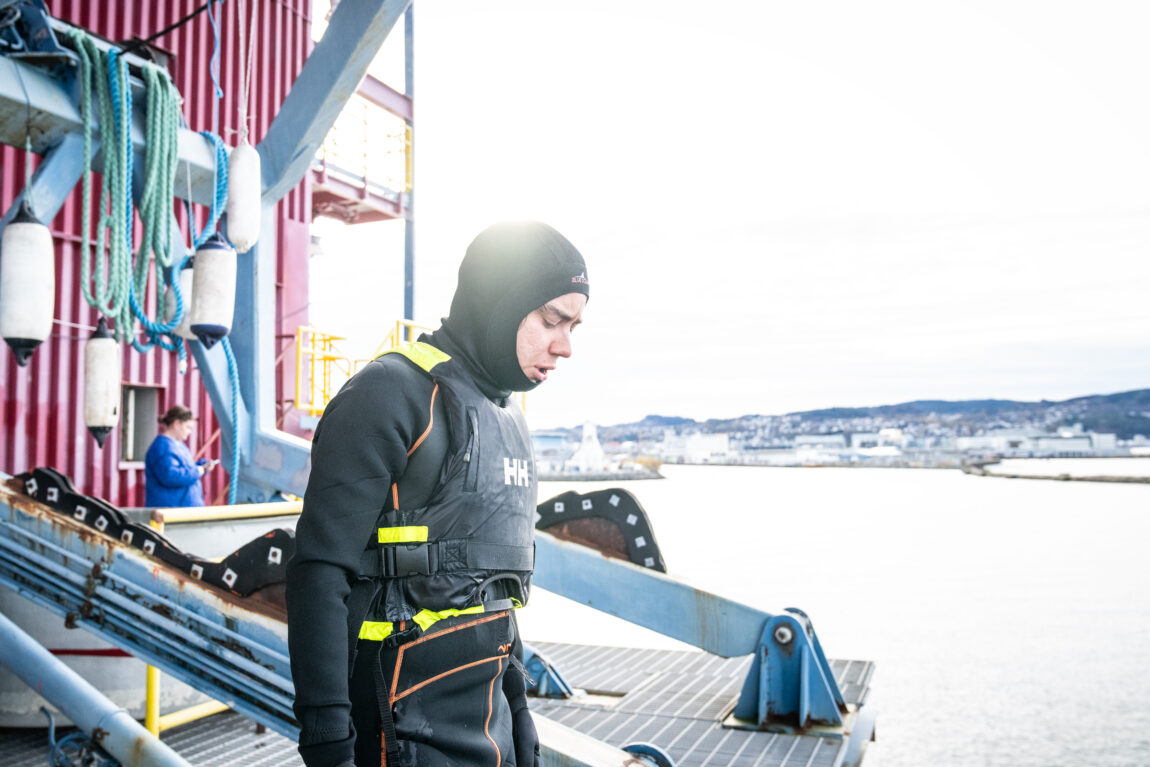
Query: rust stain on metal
x=140 y=749
x=99 y=734
x=595 y=533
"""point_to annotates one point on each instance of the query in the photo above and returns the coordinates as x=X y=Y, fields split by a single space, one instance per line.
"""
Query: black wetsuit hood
x=509 y=270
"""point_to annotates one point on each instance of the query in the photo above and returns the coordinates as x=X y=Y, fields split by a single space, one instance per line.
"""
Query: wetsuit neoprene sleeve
x=360 y=445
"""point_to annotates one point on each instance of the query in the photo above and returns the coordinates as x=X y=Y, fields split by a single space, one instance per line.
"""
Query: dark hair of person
x=176 y=413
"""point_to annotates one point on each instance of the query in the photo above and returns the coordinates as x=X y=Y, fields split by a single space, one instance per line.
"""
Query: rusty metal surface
x=196 y=633
x=41 y=406
x=600 y=534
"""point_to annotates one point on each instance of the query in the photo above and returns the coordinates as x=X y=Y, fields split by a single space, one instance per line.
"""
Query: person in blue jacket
x=171 y=476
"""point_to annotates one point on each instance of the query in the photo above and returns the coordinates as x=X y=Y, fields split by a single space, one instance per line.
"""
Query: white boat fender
x=186 y=276
x=245 y=207
x=213 y=291
x=27 y=284
x=101 y=382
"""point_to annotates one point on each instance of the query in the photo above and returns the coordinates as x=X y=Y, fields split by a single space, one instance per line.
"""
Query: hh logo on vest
x=516 y=471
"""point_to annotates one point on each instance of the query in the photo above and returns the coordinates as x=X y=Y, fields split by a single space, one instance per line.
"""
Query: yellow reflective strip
x=377 y=631
x=380 y=630
x=428 y=618
x=414 y=534
x=424 y=355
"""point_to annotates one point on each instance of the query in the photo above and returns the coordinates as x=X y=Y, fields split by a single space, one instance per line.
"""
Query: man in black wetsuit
x=416 y=538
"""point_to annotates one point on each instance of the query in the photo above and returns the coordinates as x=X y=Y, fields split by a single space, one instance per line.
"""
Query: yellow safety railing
x=397 y=336
x=153 y=722
x=323 y=365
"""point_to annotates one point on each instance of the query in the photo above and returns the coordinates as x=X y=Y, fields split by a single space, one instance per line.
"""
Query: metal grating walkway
x=677 y=700
x=671 y=698
x=223 y=740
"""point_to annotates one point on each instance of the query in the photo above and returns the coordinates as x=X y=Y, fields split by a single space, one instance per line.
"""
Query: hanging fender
x=101 y=382
x=27 y=284
x=213 y=291
x=245 y=208
x=186 y=277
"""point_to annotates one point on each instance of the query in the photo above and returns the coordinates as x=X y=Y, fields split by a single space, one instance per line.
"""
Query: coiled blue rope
x=220 y=200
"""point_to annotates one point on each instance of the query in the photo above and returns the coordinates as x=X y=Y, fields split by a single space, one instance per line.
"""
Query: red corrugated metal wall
x=42 y=418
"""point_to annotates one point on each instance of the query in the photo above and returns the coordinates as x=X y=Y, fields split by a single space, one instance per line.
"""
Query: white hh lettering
x=516 y=471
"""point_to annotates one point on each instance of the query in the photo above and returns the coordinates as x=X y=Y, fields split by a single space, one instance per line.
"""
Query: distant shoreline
x=978 y=469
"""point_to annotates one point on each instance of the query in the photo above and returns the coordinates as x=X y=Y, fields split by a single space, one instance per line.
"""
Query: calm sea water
x=1010 y=619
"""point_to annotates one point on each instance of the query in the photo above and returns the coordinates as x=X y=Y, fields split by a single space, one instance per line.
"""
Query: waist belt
x=398 y=560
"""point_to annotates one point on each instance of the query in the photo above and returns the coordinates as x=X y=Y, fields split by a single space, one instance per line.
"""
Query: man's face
x=545 y=335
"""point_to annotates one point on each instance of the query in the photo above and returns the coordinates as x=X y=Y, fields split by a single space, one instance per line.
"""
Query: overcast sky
x=788 y=206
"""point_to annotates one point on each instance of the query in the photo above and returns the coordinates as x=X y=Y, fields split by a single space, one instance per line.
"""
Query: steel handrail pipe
x=110 y=726
x=226 y=512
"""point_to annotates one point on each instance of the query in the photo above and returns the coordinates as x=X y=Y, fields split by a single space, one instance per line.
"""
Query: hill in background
x=1125 y=414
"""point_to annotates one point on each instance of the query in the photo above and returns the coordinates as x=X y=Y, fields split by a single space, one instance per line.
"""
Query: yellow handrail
x=395 y=336
x=317 y=354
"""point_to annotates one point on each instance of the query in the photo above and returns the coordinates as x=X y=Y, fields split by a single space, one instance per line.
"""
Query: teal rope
x=117 y=294
x=111 y=273
x=156 y=215
x=234 y=379
x=220 y=199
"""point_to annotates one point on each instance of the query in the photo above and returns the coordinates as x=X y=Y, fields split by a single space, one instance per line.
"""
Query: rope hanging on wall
x=121 y=278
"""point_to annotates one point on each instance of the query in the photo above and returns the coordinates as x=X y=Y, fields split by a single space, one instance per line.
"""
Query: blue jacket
x=171 y=477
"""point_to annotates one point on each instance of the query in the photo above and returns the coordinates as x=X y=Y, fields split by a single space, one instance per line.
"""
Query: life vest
x=470 y=548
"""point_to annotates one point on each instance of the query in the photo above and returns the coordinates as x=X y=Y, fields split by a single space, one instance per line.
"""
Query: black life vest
x=472 y=545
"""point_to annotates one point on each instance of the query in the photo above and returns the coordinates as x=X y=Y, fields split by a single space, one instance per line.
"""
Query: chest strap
x=396 y=561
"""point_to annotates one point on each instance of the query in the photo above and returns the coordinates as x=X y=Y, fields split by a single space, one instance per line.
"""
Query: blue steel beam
x=54 y=115
x=328 y=79
x=409 y=223
x=647 y=598
x=119 y=734
x=52 y=181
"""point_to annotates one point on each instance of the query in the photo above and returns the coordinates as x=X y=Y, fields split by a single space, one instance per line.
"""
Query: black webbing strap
x=400 y=559
x=389 y=748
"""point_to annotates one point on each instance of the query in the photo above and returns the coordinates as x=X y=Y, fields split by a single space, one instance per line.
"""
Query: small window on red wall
x=140 y=416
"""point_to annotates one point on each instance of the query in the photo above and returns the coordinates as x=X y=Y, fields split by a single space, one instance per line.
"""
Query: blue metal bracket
x=790 y=682
x=546 y=680
x=650 y=754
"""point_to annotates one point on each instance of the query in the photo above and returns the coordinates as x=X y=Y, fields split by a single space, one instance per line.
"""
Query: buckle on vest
x=401 y=560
